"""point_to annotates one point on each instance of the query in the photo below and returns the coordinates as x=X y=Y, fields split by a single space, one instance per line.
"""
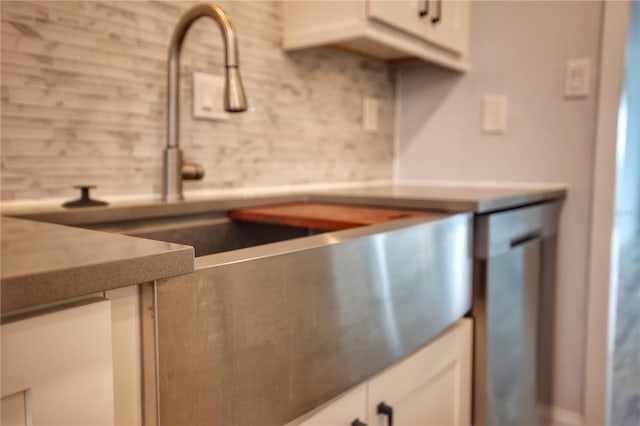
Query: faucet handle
x=192 y=171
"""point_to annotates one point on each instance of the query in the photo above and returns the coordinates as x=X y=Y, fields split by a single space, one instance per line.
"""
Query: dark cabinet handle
x=424 y=10
x=436 y=18
x=386 y=410
x=357 y=422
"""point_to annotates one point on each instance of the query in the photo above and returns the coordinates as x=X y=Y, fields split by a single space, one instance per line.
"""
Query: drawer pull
x=357 y=422
x=424 y=10
x=386 y=410
x=436 y=18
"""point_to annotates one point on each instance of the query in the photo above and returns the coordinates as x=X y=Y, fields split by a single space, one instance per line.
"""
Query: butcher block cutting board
x=329 y=217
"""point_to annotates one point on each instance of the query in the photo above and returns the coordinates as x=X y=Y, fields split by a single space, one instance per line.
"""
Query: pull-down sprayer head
x=234 y=100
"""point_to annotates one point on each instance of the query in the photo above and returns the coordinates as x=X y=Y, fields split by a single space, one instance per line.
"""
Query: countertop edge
x=442 y=204
x=41 y=288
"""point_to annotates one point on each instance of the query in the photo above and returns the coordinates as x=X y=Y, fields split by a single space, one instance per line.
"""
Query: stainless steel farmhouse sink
x=210 y=234
x=276 y=320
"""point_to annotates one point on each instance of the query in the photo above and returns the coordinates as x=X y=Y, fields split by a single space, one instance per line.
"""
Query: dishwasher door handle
x=497 y=233
x=524 y=239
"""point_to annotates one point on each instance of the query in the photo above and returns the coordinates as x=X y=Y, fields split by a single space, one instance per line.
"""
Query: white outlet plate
x=577 y=78
x=208 y=97
x=494 y=114
x=370 y=114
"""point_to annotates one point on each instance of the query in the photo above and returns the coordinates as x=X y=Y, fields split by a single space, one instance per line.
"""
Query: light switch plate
x=370 y=114
x=494 y=114
x=577 y=78
x=208 y=97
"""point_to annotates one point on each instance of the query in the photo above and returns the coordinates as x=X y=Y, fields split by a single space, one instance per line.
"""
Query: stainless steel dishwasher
x=510 y=266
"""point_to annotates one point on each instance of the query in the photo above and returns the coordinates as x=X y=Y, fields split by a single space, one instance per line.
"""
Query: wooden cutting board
x=321 y=216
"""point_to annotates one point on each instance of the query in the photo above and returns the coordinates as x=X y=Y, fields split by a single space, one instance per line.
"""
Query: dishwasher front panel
x=505 y=394
x=510 y=269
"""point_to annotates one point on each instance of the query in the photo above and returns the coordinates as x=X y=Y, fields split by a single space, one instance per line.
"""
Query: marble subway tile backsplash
x=84 y=101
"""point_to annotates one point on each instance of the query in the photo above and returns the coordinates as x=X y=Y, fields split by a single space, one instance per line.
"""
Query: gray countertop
x=449 y=198
x=43 y=263
x=444 y=198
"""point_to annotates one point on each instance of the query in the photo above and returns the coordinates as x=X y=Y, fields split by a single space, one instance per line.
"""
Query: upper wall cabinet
x=437 y=31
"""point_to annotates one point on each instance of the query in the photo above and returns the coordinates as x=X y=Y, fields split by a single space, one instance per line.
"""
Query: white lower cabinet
x=430 y=387
x=57 y=368
x=127 y=362
x=344 y=410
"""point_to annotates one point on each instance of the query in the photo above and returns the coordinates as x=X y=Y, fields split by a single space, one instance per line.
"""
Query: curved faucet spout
x=234 y=97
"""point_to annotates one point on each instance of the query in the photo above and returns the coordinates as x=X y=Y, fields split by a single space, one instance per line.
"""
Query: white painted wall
x=519 y=49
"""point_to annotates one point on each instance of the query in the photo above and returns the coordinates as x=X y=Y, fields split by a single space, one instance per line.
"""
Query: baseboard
x=556 y=416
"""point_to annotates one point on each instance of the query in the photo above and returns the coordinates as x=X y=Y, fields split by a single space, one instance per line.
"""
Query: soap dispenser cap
x=85 y=199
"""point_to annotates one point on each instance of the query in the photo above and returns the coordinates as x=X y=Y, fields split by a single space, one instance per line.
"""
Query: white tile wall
x=83 y=101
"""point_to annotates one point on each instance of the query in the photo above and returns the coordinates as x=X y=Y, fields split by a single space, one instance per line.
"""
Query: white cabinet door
x=431 y=387
x=445 y=23
x=57 y=368
x=127 y=361
x=341 y=411
x=390 y=30
x=452 y=26
x=403 y=15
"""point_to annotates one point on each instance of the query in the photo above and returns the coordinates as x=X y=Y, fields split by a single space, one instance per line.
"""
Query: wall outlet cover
x=494 y=114
x=577 y=78
x=369 y=114
x=208 y=97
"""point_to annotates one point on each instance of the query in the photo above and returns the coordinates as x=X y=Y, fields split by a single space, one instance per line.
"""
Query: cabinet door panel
x=431 y=387
x=339 y=412
x=403 y=15
x=452 y=29
x=58 y=367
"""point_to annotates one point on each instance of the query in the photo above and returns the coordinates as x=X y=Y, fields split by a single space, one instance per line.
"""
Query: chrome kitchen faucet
x=175 y=169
